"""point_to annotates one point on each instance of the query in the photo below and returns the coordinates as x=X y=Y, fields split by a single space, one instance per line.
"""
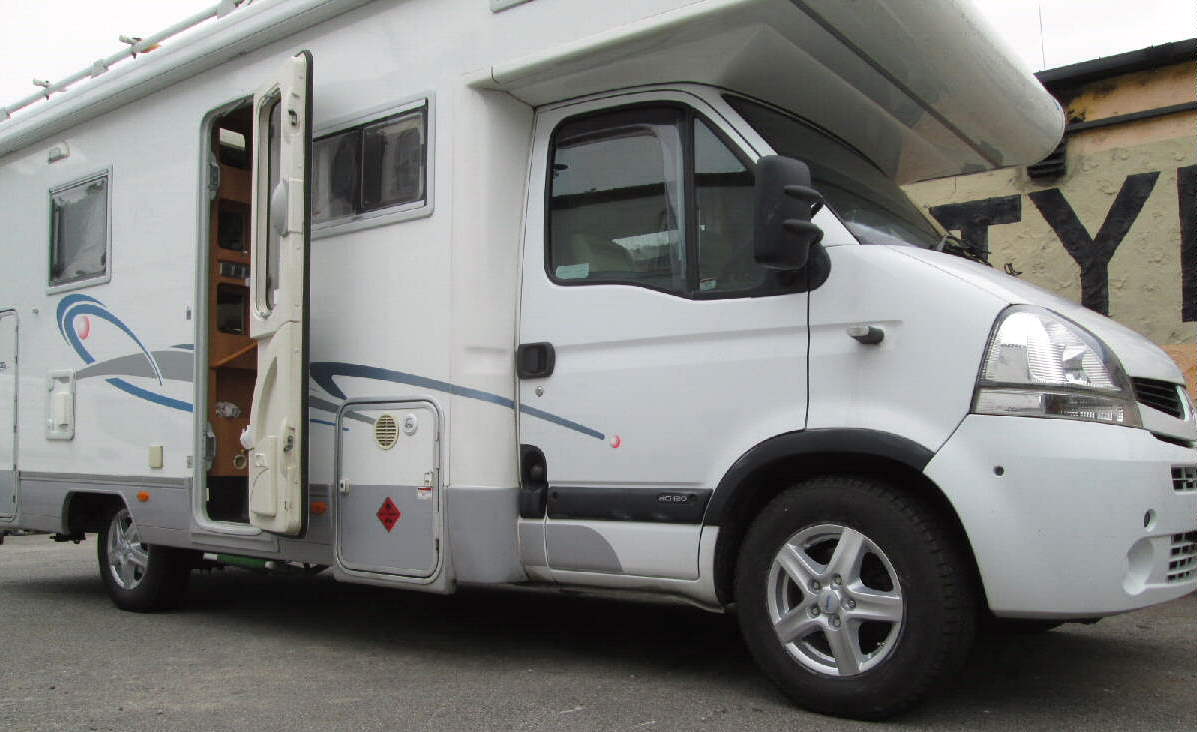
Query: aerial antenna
x=1042 y=43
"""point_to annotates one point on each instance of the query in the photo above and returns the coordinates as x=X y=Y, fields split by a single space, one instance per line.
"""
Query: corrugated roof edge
x=1152 y=57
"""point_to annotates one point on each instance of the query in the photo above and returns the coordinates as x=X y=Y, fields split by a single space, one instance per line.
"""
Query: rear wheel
x=138 y=576
x=852 y=598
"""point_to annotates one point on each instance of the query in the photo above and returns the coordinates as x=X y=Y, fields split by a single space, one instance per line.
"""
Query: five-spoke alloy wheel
x=835 y=600
x=139 y=576
x=854 y=597
x=128 y=557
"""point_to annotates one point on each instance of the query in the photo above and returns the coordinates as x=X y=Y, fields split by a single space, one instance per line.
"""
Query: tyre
x=853 y=598
x=138 y=576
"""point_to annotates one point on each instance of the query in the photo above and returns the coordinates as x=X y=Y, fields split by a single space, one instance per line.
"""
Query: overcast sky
x=51 y=39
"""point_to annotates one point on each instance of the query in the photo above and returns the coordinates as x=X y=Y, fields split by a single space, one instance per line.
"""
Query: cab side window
x=615 y=200
x=723 y=193
x=651 y=196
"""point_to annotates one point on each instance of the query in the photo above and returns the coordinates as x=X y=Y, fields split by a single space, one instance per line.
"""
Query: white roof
x=924 y=89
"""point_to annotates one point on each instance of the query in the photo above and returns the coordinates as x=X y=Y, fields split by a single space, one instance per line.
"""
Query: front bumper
x=1084 y=519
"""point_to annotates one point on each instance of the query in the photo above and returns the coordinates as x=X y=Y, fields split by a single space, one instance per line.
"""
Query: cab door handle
x=535 y=360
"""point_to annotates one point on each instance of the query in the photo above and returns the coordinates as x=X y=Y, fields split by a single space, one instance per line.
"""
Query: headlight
x=1039 y=364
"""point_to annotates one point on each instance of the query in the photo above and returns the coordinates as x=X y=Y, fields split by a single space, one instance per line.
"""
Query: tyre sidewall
x=161 y=587
x=919 y=653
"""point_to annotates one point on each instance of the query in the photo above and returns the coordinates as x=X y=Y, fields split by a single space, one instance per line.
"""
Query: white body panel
x=427 y=304
x=1062 y=533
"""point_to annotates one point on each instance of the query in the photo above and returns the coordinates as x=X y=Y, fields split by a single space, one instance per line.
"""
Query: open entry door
x=277 y=434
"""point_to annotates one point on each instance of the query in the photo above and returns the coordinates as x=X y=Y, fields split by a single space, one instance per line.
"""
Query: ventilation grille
x=1053 y=166
x=1161 y=395
x=1182 y=564
x=1184 y=478
x=386 y=431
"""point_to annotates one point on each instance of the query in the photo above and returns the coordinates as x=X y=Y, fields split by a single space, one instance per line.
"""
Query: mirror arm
x=801 y=228
x=810 y=195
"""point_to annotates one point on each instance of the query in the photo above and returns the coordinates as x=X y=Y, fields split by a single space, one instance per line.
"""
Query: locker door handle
x=343 y=486
x=535 y=360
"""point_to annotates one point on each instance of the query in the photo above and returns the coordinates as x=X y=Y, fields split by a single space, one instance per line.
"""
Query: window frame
x=397 y=212
x=99 y=279
x=776 y=283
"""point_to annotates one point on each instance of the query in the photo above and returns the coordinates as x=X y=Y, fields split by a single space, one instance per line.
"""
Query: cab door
x=653 y=349
x=277 y=434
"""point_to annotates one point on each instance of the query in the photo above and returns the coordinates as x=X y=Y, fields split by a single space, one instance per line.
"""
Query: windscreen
x=871 y=205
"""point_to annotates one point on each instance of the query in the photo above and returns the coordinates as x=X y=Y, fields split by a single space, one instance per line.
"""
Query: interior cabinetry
x=232 y=357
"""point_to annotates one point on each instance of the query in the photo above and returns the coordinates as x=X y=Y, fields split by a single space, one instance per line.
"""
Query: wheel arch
x=85 y=511
x=778 y=463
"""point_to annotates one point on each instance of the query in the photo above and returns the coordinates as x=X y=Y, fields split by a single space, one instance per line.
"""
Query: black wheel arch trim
x=834 y=441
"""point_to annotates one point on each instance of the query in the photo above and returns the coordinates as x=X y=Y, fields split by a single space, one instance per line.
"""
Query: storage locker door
x=388 y=488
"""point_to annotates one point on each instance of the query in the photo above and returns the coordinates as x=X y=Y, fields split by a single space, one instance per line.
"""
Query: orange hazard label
x=389 y=514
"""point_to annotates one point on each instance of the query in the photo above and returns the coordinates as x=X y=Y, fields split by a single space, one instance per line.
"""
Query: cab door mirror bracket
x=784 y=206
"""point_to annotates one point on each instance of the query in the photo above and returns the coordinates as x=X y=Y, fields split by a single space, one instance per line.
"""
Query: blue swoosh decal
x=322 y=372
x=72 y=305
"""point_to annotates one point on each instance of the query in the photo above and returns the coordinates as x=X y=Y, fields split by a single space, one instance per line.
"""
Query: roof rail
x=136 y=46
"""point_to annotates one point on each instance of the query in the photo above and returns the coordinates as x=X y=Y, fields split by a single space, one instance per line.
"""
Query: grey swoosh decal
x=175 y=365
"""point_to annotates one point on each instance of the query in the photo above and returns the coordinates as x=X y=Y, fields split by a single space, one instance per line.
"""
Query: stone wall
x=1117 y=231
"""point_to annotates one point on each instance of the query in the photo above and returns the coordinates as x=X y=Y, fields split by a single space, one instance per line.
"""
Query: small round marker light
x=143 y=496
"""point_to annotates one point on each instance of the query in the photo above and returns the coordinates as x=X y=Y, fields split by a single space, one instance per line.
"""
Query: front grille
x=1161 y=395
x=1184 y=478
x=1182 y=563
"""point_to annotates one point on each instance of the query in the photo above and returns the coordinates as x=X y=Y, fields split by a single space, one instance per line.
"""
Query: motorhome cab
x=611 y=296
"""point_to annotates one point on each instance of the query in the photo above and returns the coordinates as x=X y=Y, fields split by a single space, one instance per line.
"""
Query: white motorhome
x=537 y=293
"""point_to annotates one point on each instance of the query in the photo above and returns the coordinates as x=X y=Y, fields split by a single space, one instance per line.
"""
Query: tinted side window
x=616 y=200
x=79 y=231
x=723 y=192
x=371 y=167
x=273 y=240
x=654 y=196
x=335 y=179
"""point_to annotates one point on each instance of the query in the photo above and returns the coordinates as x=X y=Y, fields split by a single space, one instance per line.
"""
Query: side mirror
x=784 y=205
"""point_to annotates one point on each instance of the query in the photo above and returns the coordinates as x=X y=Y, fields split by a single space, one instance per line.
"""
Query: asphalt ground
x=294 y=653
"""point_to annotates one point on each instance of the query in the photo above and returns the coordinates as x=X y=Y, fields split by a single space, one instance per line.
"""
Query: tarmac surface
x=293 y=653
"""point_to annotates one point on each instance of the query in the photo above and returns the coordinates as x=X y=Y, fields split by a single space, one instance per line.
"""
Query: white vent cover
x=386 y=431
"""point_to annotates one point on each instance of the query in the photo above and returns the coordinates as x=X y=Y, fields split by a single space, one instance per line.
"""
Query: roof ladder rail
x=135 y=46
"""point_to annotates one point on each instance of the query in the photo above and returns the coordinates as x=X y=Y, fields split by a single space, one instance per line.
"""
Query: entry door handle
x=535 y=360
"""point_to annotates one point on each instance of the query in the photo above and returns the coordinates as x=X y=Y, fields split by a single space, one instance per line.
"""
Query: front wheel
x=852 y=597
x=138 y=576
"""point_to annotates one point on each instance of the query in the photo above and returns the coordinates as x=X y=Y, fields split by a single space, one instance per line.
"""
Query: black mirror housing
x=784 y=205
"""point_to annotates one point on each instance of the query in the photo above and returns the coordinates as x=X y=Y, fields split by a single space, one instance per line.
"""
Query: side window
x=273 y=240
x=371 y=167
x=616 y=200
x=79 y=232
x=723 y=193
x=652 y=196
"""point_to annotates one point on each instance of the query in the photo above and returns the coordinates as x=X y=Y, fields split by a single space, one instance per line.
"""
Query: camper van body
x=649 y=424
